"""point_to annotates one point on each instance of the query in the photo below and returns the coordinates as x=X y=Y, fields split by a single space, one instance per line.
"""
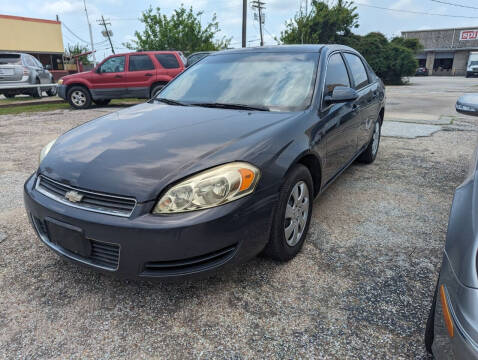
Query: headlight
x=210 y=188
x=46 y=150
x=60 y=81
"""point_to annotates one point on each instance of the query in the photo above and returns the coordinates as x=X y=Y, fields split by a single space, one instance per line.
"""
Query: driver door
x=109 y=80
x=340 y=120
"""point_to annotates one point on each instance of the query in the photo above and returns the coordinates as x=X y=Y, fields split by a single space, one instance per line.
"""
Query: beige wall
x=30 y=35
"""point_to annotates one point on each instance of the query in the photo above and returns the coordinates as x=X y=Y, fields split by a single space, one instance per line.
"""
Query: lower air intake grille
x=189 y=265
x=103 y=254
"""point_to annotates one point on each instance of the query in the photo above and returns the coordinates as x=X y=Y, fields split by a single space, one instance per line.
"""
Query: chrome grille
x=101 y=203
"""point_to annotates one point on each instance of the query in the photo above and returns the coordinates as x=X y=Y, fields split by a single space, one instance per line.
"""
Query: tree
x=391 y=60
x=78 y=49
x=181 y=31
x=323 y=24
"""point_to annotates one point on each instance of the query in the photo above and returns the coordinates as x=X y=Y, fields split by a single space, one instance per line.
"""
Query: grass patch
x=33 y=108
x=26 y=108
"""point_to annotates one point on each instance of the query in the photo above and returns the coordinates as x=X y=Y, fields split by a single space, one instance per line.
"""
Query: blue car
x=223 y=164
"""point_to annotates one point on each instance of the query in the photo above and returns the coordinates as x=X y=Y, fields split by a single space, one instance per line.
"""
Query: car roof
x=305 y=48
x=148 y=52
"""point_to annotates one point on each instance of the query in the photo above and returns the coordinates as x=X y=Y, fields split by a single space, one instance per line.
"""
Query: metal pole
x=91 y=34
x=260 y=26
x=244 y=22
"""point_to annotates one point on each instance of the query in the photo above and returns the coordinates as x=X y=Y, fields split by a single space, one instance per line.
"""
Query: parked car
x=421 y=71
x=224 y=163
x=194 y=58
x=452 y=326
x=18 y=69
x=130 y=75
x=472 y=65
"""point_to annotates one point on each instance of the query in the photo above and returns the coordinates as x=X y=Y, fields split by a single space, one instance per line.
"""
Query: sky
x=124 y=16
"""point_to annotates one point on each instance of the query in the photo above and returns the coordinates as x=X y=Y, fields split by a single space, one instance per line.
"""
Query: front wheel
x=52 y=91
x=37 y=91
x=292 y=217
x=430 y=328
x=79 y=97
x=370 y=153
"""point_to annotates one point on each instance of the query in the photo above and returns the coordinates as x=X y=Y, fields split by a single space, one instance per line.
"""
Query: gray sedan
x=452 y=327
x=19 y=71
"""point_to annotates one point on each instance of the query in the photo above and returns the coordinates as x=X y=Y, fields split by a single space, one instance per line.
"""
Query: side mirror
x=341 y=94
x=48 y=67
x=467 y=104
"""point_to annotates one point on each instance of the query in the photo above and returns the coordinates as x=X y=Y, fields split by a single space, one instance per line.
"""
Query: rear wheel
x=370 y=153
x=102 y=102
x=156 y=89
x=37 y=92
x=79 y=97
x=292 y=217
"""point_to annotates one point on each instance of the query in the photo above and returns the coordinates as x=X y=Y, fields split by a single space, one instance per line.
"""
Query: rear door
x=170 y=64
x=141 y=75
x=339 y=120
x=109 y=81
x=367 y=98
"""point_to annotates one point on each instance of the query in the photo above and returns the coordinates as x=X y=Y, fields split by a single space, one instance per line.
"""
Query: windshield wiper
x=232 y=106
x=171 y=102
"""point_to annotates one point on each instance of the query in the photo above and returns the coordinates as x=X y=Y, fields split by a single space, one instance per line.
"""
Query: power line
x=259 y=5
x=454 y=4
x=415 y=12
x=107 y=33
x=72 y=33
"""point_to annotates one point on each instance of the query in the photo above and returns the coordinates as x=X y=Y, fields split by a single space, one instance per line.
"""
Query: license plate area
x=69 y=237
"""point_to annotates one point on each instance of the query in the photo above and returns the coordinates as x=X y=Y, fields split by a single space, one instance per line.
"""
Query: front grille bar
x=92 y=201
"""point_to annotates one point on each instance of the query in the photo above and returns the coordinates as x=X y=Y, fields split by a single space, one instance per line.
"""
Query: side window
x=112 y=65
x=140 y=62
x=29 y=60
x=336 y=74
x=167 y=61
x=359 y=74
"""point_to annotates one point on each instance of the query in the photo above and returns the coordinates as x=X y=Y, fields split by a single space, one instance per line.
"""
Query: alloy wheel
x=78 y=98
x=296 y=213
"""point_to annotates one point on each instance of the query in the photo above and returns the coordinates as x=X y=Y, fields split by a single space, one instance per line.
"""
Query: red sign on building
x=469 y=35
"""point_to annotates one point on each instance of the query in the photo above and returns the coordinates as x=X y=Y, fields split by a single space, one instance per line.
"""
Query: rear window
x=167 y=61
x=140 y=62
x=10 y=59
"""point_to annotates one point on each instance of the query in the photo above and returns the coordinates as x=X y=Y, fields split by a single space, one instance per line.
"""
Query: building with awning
x=38 y=37
x=446 y=51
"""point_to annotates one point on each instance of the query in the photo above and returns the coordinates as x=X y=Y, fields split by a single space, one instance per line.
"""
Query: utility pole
x=259 y=5
x=91 y=34
x=107 y=33
x=244 y=22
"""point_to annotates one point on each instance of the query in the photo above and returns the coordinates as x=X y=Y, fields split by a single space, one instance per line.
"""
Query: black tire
x=9 y=95
x=52 y=92
x=102 y=102
x=155 y=89
x=369 y=155
x=79 y=97
x=278 y=247
x=430 y=329
x=37 y=92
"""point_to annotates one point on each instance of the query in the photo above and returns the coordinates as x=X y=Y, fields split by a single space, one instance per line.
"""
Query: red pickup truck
x=130 y=75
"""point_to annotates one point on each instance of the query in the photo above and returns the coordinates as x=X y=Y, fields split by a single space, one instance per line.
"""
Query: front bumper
x=463 y=306
x=151 y=246
x=62 y=91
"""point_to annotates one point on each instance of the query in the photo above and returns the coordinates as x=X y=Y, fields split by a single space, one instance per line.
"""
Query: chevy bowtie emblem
x=73 y=196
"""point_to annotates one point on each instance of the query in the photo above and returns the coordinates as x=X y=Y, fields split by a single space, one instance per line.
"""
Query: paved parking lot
x=361 y=287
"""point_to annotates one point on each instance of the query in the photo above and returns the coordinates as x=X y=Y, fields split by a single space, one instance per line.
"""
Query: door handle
x=148 y=74
x=118 y=76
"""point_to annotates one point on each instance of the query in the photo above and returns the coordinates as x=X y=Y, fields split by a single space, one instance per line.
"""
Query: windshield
x=473 y=63
x=276 y=81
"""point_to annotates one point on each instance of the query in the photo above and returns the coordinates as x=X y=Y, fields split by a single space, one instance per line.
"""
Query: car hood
x=140 y=150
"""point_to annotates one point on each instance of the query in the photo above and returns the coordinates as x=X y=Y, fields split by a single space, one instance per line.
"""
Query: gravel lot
x=361 y=287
